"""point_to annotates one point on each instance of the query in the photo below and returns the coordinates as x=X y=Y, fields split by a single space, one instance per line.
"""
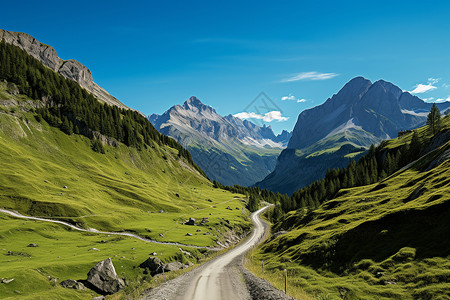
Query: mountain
x=383 y=240
x=66 y=156
x=229 y=150
x=330 y=135
x=70 y=69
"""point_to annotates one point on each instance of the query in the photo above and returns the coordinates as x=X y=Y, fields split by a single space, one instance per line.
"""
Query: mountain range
x=330 y=135
x=229 y=150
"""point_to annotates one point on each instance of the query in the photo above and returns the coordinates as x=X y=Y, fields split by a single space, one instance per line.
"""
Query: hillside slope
x=136 y=180
x=386 y=240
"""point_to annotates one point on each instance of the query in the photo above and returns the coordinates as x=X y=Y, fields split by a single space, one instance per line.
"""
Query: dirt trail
x=92 y=230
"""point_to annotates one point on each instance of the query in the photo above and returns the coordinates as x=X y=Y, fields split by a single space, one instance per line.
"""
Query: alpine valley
x=330 y=135
x=229 y=150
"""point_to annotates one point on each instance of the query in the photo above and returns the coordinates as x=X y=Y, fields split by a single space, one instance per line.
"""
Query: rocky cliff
x=70 y=69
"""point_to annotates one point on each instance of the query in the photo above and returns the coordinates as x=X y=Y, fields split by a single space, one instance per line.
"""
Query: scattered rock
x=178 y=196
x=154 y=254
x=153 y=264
x=161 y=211
x=173 y=266
x=185 y=252
x=65 y=187
x=161 y=235
x=191 y=221
x=209 y=200
x=188 y=234
x=104 y=277
x=68 y=284
x=229 y=208
x=198 y=230
x=4 y=280
x=126 y=173
x=98 y=298
x=32 y=245
x=94 y=249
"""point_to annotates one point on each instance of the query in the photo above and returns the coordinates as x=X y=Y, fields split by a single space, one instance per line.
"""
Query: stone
x=79 y=286
x=191 y=221
x=161 y=211
x=153 y=264
x=173 y=266
x=94 y=249
x=68 y=284
x=4 y=280
x=32 y=245
x=104 y=278
x=188 y=234
x=65 y=187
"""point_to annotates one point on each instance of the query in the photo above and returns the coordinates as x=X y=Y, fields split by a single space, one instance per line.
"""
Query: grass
x=382 y=241
x=121 y=190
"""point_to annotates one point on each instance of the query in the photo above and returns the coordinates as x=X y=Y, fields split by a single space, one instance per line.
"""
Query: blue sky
x=154 y=54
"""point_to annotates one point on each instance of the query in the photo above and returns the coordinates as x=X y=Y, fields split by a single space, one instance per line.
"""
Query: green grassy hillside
x=387 y=240
x=47 y=173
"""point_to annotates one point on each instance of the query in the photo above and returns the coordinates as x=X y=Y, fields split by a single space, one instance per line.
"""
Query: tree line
x=74 y=110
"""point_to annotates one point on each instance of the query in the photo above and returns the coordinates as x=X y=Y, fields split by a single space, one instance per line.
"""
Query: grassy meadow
x=49 y=174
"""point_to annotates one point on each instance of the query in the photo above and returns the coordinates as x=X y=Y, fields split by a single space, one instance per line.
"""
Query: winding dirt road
x=218 y=279
x=214 y=281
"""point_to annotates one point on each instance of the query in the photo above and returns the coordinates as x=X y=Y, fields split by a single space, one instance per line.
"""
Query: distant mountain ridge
x=70 y=69
x=230 y=150
x=360 y=114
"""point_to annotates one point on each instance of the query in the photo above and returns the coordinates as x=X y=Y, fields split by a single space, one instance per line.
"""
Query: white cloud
x=290 y=97
x=443 y=100
x=293 y=98
x=267 y=117
x=433 y=80
x=423 y=88
x=428 y=99
x=310 y=76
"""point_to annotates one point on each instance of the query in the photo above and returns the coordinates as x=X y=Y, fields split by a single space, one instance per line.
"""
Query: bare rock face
x=70 y=69
x=104 y=277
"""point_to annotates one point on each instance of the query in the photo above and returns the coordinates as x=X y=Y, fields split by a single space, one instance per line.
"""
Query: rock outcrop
x=103 y=277
x=70 y=69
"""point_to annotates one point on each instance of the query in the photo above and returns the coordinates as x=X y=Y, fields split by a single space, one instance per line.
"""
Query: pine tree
x=434 y=119
x=415 y=146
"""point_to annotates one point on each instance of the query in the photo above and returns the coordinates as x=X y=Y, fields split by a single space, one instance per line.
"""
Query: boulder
x=4 y=280
x=188 y=234
x=68 y=284
x=104 y=277
x=173 y=266
x=32 y=245
x=191 y=221
x=153 y=264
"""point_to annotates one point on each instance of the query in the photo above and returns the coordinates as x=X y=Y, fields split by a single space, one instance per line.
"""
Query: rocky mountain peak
x=70 y=69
